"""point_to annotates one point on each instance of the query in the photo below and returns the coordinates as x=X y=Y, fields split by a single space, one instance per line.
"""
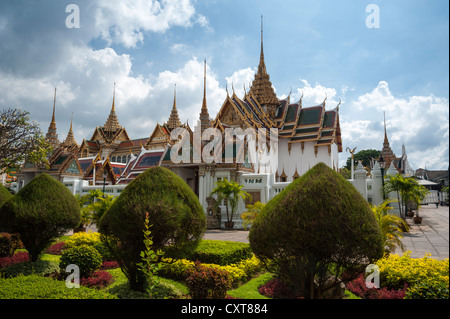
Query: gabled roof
x=139 y=164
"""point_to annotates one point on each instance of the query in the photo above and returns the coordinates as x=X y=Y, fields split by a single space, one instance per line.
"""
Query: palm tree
x=394 y=183
x=408 y=189
x=392 y=227
x=230 y=192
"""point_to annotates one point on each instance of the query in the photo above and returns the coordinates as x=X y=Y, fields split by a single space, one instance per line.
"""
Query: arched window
x=113 y=159
x=124 y=158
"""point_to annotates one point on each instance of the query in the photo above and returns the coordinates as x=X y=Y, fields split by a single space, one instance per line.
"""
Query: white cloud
x=125 y=22
x=313 y=95
x=419 y=122
x=239 y=79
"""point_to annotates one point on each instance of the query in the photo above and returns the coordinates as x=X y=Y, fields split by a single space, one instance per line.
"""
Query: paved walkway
x=429 y=237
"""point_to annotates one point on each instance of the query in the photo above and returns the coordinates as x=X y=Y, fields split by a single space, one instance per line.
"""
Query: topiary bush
x=175 y=214
x=5 y=194
x=87 y=258
x=314 y=230
x=41 y=211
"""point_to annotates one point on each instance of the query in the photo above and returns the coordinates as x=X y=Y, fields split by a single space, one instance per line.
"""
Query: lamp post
x=105 y=174
x=382 y=163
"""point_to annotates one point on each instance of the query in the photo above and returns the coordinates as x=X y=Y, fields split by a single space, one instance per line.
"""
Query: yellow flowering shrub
x=83 y=238
x=239 y=272
x=426 y=277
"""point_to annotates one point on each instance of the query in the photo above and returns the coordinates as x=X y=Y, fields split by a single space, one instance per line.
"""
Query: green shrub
x=38 y=287
x=221 y=252
x=4 y=195
x=204 y=282
x=91 y=239
x=314 y=230
x=175 y=214
x=8 y=244
x=40 y=267
x=41 y=211
x=87 y=258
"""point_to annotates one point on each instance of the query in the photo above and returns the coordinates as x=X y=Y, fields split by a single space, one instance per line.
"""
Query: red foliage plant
x=20 y=257
x=277 y=289
x=99 y=279
x=359 y=288
x=109 y=265
x=56 y=249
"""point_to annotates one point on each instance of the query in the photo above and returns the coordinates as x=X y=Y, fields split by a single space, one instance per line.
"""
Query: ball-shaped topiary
x=41 y=211
x=4 y=194
x=87 y=258
x=314 y=230
x=176 y=217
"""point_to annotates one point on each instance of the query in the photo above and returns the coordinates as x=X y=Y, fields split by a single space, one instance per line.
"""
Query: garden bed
x=401 y=277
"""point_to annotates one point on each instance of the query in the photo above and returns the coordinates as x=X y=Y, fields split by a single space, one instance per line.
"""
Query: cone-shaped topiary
x=4 y=194
x=41 y=211
x=316 y=229
x=176 y=217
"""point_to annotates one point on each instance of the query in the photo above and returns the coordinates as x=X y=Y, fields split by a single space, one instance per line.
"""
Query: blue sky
x=318 y=48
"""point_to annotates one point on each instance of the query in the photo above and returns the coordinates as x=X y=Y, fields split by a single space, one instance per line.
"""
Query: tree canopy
x=21 y=140
x=365 y=156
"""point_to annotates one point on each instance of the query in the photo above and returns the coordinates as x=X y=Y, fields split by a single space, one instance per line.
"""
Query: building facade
x=298 y=137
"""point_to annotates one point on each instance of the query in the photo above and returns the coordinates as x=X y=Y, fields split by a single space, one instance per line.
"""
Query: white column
x=359 y=179
x=377 y=185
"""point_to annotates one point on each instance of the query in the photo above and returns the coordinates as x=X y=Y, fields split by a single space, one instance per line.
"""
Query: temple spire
x=112 y=123
x=261 y=86
x=205 y=121
x=52 y=136
x=204 y=86
x=54 y=104
x=385 y=133
x=262 y=65
x=70 y=139
x=174 y=120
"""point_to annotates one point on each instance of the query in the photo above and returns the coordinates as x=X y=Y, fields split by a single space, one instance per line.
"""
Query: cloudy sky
x=318 y=48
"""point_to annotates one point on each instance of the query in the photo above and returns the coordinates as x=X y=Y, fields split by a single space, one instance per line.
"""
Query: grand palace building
x=110 y=159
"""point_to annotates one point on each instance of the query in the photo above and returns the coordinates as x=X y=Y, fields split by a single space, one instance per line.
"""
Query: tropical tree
x=408 y=189
x=21 y=140
x=391 y=226
x=230 y=192
x=394 y=183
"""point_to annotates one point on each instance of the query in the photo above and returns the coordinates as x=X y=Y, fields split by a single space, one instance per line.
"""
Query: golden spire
x=174 y=120
x=112 y=123
x=52 y=136
x=262 y=66
x=54 y=104
x=204 y=86
x=70 y=139
x=261 y=86
x=205 y=122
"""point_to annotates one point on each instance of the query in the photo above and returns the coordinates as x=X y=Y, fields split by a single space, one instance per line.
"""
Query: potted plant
x=229 y=192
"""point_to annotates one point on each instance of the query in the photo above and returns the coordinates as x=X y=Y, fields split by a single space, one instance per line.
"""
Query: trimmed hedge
x=176 y=217
x=38 y=287
x=317 y=228
x=221 y=252
x=41 y=211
